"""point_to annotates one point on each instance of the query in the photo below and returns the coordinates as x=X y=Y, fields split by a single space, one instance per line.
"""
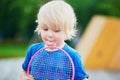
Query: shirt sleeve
x=27 y=58
x=30 y=52
x=80 y=72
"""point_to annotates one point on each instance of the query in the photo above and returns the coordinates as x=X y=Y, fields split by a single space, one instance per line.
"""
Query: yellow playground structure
x=100 y=44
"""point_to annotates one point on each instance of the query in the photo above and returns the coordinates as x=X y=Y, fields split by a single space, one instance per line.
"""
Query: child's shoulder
x=36 y=46
x=69 y=48
x=74 y=54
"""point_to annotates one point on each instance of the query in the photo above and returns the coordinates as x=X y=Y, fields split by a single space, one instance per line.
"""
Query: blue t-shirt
x=80 y=72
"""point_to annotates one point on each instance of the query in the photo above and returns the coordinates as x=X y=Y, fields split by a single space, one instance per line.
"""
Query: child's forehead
x=52 y=26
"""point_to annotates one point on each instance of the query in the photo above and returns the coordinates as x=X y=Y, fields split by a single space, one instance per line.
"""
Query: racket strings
x=51 y=66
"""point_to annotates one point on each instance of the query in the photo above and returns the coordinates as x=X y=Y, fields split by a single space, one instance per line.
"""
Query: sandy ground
x=10 y=69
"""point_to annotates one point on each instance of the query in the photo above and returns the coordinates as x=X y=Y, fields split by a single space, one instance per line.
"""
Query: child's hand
x=26 y=77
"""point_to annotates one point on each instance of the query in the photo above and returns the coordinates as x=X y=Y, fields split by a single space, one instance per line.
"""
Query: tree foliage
x=17 y=17
x=86 y=9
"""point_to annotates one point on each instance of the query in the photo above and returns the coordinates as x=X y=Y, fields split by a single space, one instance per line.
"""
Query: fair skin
x=51 y=37
x=24 y=76
x=52 y=19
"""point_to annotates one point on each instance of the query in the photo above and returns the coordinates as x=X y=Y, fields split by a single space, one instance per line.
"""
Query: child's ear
x=65 y=37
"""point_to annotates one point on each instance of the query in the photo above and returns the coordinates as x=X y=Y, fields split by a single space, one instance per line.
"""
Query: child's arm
x=25 y=77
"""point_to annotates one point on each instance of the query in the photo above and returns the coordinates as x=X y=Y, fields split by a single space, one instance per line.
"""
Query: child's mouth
x=51 y=43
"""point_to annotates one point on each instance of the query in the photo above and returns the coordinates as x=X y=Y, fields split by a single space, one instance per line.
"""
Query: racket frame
x=52 y=47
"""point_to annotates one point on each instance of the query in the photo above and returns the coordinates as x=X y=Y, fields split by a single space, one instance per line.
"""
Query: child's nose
x=50 y=34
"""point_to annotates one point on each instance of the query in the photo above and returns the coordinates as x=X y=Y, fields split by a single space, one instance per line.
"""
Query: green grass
x=8 y=50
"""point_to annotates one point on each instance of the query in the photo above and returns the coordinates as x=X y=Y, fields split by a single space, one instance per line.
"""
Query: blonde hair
x=59 y=13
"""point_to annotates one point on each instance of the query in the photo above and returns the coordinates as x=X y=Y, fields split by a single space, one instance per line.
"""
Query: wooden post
x=100 y=44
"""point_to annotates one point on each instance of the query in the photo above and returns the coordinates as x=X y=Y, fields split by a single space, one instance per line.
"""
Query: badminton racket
x=54 y=64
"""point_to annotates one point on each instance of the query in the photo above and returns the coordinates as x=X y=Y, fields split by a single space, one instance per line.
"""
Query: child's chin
x=51 y=45
x=51 y=48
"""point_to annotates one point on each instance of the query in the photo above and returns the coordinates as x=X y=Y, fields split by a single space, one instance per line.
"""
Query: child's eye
x=45 y=29
x=57 y=30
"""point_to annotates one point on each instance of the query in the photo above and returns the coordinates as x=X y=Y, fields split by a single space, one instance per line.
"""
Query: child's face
x=52 y=36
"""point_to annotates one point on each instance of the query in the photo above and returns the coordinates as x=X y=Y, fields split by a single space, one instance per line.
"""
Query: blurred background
x=98 y=38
